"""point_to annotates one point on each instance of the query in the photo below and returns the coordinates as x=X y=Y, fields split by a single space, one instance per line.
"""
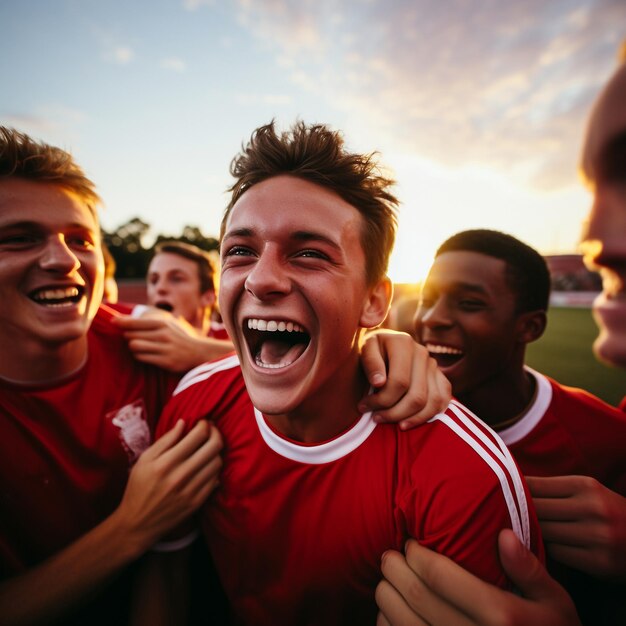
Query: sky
x=477 y=107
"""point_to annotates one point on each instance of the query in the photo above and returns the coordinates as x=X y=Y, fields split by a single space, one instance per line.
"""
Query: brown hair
x=23 y=157
x=202 y=259
x=317 y=154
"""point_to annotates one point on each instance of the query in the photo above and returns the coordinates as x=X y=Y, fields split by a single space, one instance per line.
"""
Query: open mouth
x=164 y=306
x=275 y=344
x=446 y=356
x=57 y=296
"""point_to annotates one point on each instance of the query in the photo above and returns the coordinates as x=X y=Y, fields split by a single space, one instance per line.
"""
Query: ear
x=207 y=299
x=530 y=326
x=376 y=305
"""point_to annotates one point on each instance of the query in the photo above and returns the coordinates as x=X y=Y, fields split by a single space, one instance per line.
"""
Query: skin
x=604 y=235
x=292 y=253
x=49 y=246
x=467 y=319
x=173 y=280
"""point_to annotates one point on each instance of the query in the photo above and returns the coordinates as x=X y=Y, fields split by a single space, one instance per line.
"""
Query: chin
x=611 y=348
x=270 y=401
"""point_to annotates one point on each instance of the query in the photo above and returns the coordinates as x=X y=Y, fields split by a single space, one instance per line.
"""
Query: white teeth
x=272 y=366
x=438 y=349
x=272 y=326
x=56 y=294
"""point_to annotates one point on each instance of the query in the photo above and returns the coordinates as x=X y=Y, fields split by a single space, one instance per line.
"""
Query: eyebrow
x=459 y=285
x=298 y=235
x=32 y=225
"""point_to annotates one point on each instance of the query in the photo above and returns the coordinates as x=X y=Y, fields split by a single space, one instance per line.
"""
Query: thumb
x=523 y=568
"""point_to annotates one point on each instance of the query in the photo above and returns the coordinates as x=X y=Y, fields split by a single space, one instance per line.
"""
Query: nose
x=160 y=286
x=604 y=233
x=57 y=256
x=268 y=276
x=435 y=315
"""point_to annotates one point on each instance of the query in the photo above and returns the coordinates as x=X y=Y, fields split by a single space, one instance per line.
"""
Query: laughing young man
x=313 y=491
x=484 y=299
x=76 y=410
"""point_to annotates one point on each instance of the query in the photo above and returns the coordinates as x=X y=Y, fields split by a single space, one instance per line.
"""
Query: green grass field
x=564 y=353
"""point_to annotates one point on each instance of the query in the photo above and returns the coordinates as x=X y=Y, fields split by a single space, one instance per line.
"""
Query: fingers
x=522 y=567
x=558 y=509
x=573 y=532
x=202 y=433
x=373 y=362
x=446 y=593
x=198 y=460
x=394 y=611
x=549 y=602
x=426 y=392
x=415 y=390
x=557 y=486
x=439 y=396
x=165 y=442
x=381 y=620
x=140 y=345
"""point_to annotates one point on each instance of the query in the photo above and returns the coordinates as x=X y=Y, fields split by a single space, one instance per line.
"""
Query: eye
x=312 y=254
x=239 y=251
x=79 y=241
x=469 y=304
x=19 y=240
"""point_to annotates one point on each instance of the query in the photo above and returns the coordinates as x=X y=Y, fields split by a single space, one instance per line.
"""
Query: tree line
x=132 y=256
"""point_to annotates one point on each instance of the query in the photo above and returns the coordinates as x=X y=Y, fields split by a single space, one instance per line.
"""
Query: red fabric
x=297 y=536
x=64 y=462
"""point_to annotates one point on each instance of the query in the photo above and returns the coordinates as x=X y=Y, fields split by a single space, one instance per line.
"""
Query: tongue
x=276 y=352
x=446 y=360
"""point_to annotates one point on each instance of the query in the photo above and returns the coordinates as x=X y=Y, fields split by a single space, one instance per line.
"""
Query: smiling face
x=294 y=295
x=467 y=319
x=604 y=239
x=173 y=284
x=51 y=272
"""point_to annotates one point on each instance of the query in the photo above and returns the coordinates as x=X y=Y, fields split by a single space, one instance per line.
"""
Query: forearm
x=61 y=583
x=209 y=349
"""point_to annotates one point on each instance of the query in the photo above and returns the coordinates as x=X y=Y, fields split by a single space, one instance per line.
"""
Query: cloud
x=506 y=85
x=174 y=64
x=193 y=5
x=54 y=122
x=119 y=54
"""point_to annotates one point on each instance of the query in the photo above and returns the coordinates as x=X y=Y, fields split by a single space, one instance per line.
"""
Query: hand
x=427 y=588
x=583 y=523
x=413 y=390
x=170 y=481
x=160 y=339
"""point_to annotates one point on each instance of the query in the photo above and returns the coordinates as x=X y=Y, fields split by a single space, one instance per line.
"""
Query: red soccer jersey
x=66 y=448
x=568 y=431
x=297 y=531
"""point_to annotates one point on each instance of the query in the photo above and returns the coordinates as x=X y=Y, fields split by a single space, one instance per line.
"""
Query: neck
x=327 y=413
x=37 y=364
x=504 y=403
